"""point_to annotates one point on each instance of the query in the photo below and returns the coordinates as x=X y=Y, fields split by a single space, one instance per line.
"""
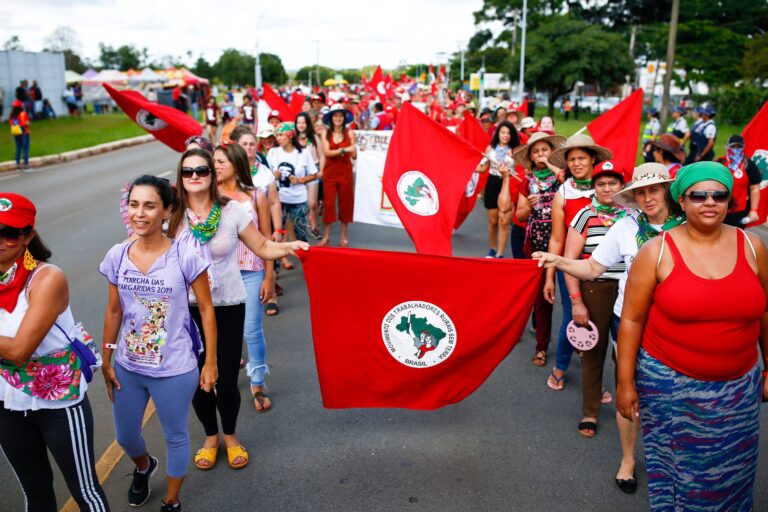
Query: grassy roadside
x=54 y=136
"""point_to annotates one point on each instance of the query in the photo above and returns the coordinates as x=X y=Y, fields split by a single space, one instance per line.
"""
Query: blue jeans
x=297 y=214
x=22 y=144
x=172 y=397
x=254 y=328
x=564 y=347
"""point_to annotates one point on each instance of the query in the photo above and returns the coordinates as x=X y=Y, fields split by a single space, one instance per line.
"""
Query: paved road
x=512 y=445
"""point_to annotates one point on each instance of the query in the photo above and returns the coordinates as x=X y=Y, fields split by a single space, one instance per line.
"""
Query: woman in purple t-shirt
x=214 y=225
x=149 y=325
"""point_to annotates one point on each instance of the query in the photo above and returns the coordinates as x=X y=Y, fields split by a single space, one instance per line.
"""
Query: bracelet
x=575 y=296
x=754 y=210
x=342 y=151
x=110 y=346
x=281 y=231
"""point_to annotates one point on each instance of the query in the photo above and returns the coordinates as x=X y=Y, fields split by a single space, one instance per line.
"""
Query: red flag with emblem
x=297 y=103
x=619 y=130
x=276 y=102
x=472 y=131
x=170 y=126
x=407 y=338
x=756 y=147
x=425 y=176
x=379 y=85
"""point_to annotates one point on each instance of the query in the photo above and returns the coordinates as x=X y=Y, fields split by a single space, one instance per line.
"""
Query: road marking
x=109 y=459
x=14 y=175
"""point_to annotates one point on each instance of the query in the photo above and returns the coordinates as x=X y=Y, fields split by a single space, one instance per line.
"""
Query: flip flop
x=588 y=429
x=559 y=382
x=208 y=455
x=258 y=397
x=271 y=309
x=539 y=358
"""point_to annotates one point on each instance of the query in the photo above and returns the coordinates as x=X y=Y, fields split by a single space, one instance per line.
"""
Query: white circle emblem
x=472 y=185
x=418 y=334
x=5 y=204
x=418 y=194
x=148 y=121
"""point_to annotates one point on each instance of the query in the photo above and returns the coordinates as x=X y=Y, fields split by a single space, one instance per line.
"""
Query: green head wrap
x=698 y=172
x=285 y=127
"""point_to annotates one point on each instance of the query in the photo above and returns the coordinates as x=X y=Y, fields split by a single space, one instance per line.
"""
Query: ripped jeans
x=254 y=330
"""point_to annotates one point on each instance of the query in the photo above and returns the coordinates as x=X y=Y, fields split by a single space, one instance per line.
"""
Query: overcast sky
x=350 y=34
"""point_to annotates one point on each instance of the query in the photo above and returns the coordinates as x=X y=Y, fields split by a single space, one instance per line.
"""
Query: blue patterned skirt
x=700 y=437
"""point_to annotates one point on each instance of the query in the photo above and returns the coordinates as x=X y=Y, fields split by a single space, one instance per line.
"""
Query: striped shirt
x=246 y=259
x=592 y=229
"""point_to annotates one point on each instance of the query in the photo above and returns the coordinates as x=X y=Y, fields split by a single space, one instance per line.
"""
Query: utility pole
x=317 y=63
x=670 y=62
x=521 y=84
x=257 y=70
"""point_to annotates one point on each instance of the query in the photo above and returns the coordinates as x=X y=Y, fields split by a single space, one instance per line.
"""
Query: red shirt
x=714 y=339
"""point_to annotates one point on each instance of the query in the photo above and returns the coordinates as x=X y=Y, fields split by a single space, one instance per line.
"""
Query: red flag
x=472 y=131
x=379 y=85
x=168 y=125
x=425 y=175
x=619 y=130
x=408 y=338
x=276 y=102
x=297 y=103
x=431 y=74
x=756 y=147
x=441 y=75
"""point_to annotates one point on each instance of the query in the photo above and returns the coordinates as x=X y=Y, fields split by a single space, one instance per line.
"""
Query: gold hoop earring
x=30 y=263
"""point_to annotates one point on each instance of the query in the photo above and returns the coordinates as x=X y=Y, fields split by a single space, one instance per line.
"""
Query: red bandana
x=12 y=288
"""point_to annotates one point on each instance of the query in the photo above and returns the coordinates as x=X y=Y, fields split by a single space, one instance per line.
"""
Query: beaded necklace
x=607 y=215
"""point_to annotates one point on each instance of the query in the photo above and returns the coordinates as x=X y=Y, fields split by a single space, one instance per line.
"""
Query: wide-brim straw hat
x=521 y=155
x=645 y=175
x=337 y=107
x=579 y=141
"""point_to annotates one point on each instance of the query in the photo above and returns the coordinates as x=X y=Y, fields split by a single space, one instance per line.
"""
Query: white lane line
x=11 y=176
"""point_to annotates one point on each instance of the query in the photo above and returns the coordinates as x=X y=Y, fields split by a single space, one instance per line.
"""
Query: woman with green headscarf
x=693 y=317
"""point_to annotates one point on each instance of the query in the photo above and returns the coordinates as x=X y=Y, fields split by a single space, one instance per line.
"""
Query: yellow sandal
x=234 y=452
x=208 y=455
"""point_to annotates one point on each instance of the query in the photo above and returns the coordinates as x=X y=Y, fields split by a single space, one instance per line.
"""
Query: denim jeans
x=22 y=144
x=297 y=214
x=564 y=347
x=254 y=328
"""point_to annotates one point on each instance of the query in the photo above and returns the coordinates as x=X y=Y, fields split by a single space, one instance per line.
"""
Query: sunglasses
x=201 y=171
x=12 y=235
x=699 y=196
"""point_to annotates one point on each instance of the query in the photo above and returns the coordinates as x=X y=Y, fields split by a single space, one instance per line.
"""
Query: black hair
x=310 y=128
x=240 y=131
x=378 y=106
x=514 y=140
x=591 y=152
x=247 y=96
x=213 y=190
x=672 y=205
x=36 y=247
x=15 y=112
x=162 y=187
x=667 y=156
x=239 y=160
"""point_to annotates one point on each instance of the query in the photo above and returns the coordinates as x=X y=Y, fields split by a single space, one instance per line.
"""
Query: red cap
x=274 y=113
x=17 y=103
x=389 y=108
x=607 y=167
x=16 y=211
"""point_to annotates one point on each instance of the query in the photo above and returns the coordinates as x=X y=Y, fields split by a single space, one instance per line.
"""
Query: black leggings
x=68 y=434
x=229 y=331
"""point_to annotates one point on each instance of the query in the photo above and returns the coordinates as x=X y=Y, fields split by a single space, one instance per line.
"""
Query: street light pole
x=670 y=61
x=257 y=70
x=317 y=63
x=521 y=84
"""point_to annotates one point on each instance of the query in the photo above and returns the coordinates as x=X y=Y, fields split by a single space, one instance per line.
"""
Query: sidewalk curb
x=68 y=156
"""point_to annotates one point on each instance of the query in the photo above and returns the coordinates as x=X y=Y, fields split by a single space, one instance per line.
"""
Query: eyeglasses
x=699 y=196
x=201 y=171
x=11 y=235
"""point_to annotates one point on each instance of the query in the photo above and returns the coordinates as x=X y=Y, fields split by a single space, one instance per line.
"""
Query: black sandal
x=586 y=426
x=271 y=309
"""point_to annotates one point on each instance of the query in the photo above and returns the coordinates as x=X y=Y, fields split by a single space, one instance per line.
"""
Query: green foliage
x=563 y=50
x=302 y=75
x=202 y=68
x=480 y=39
x=709 y=53
x=13 y=43
x=235 y=68
x=123 y=58
x=755 y=63
x=736 y=105
x=272 y=69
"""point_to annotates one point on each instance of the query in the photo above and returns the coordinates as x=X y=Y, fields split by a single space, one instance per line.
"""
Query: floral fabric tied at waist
x=55 y=376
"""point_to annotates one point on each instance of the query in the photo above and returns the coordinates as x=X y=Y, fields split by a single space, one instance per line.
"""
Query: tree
x=65 y=40
x=235 y=68
x=755 y=63
x=13 y=44
x=272 y=69
x=709 y=53
x=563 y=51
x=303 y=74
x=123 y=58
x=202 y=68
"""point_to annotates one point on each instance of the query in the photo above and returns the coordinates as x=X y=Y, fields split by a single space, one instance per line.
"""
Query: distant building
x=47 y=68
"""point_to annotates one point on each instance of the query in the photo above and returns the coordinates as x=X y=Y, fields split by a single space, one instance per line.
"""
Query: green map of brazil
x=416 y=325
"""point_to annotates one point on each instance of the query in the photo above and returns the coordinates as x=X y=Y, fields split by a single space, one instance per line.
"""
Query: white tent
x=147 y=76
x=109 y=76
x=71 y=77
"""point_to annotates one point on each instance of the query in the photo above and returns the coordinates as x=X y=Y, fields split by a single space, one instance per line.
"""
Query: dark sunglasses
x=12 y=234
x=699 y=196
x=201 y=171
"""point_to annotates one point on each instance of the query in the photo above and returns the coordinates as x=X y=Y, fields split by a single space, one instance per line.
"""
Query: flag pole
x=580 y=131
x=521 y=84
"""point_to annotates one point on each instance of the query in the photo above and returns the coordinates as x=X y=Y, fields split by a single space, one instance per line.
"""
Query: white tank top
x=14 y=399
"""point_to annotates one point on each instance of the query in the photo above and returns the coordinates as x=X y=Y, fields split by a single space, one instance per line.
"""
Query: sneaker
x=491 y=253
x=499 y=256
x=171 y=507
x=138 y=493
x=315 y=233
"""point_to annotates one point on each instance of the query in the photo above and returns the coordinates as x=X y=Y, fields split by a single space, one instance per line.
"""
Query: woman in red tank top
x=339 y=149
x=694 y=307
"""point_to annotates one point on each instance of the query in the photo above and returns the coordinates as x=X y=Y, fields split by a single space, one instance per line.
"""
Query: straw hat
x=645 y=175
x=669 y=142
x=521 y=154
x=579 y=141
